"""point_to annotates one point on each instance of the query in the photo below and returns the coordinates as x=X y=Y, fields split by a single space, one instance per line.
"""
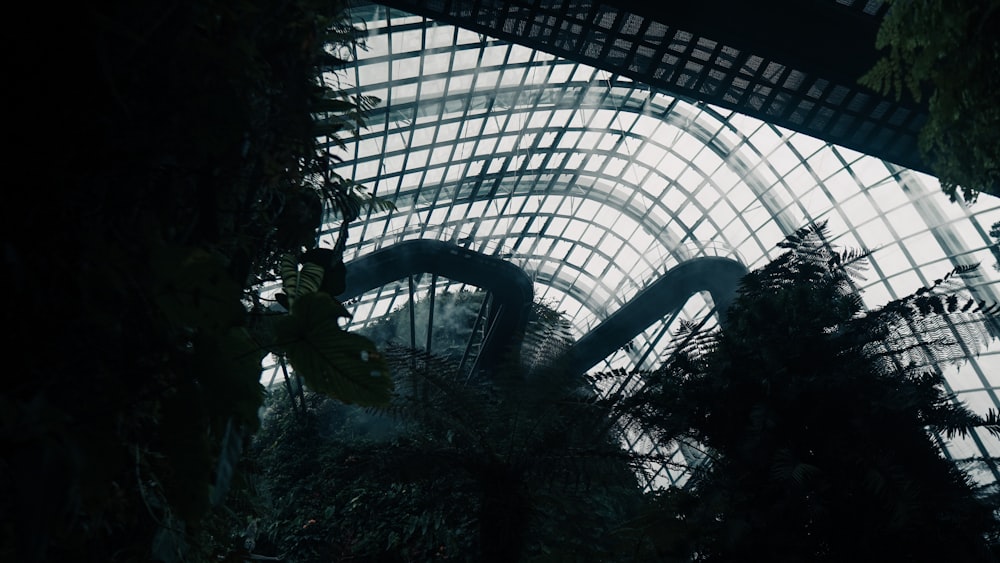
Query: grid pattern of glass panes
x=595 y=185
x=800 y=82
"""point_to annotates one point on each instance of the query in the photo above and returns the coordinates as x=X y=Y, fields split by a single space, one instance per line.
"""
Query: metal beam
x=793 y=63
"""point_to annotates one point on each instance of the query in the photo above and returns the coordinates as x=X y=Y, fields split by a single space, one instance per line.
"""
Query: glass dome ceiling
x=596 y=185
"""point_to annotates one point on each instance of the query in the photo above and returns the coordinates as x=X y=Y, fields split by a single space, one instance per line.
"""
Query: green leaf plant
x=520 y=466
x=342 y=365
x=946 y=53
x=209 y=124
x=820 y=422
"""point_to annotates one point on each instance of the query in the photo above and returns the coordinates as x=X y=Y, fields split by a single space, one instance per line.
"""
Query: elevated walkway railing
x=636 y=281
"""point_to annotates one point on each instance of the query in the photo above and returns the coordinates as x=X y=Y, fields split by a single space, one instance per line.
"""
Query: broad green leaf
x=345 y=366
x=297 y=282
x=228 y=370
x=193 y=289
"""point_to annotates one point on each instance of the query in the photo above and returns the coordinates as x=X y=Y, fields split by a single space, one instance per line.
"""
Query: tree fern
x=818 y=416
x=525 y=439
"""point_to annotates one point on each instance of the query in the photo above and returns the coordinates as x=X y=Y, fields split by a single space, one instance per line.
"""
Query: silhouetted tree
x=200 y=138
x=817 y=421
x=519 y=465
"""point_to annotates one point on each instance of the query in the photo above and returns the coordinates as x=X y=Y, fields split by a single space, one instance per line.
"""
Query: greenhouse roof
x=596 y=184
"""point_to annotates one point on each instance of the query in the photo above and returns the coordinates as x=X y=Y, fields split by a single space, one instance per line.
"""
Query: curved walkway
x=511 y=288
x=716 y=275
x=513 y=293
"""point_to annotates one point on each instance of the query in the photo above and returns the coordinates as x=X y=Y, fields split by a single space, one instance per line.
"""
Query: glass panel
x=502 y=161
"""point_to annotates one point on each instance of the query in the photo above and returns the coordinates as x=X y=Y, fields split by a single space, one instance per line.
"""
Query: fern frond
x=991 y=422
x=545 y=345
x=805 y=237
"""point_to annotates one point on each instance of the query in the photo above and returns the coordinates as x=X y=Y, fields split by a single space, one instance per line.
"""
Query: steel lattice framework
x=597 y=184
x=793 y=63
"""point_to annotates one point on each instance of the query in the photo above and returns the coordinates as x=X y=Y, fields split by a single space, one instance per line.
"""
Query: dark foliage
x=946 y=52
x=524 y=466
x=817 y=420
x=172 y=151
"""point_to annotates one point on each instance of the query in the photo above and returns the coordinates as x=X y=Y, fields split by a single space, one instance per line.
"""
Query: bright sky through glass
x=595 y=186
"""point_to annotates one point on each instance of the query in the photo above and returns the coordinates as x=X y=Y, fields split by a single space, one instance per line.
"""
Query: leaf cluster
x=524 y=464
x=818 y=419
x=189 y=175
x=536 y=449
x=325 y=494
x=947 y=53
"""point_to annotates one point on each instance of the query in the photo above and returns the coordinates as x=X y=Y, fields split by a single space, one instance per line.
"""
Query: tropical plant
x=947 y=53
x=523 y=465
x=326 y=493
x=345 y=366
x=193 y=169
x=818 y=420
x=995 y=233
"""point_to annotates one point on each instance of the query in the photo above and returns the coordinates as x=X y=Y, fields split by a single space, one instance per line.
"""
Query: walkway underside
x=512 y=293
x=720 y=277
x=511 y=289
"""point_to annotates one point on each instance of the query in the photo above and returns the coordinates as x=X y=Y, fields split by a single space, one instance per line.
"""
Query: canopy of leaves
x=185 y=168
x=523 y=466
x=948 y=52
x=817 y=420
